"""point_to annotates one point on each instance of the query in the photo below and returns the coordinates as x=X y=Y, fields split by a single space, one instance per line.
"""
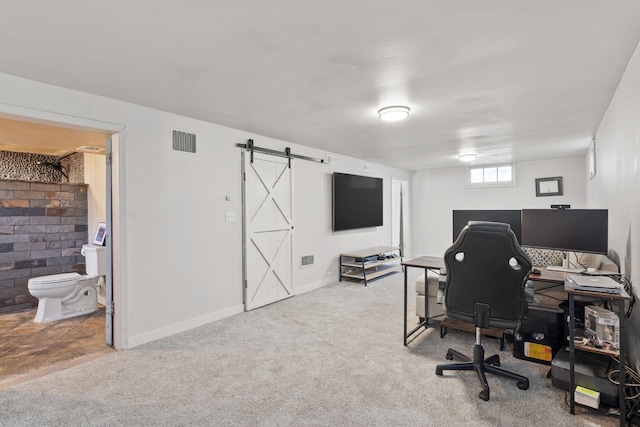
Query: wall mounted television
x=569 y=230
x=357 y=201
x=511 y=217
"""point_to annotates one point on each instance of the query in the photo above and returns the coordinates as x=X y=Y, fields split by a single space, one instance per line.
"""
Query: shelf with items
x=619 y=301
x=592 y=349
x=371 y=263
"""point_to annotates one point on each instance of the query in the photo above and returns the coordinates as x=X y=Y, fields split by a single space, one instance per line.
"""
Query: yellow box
x=538 y=351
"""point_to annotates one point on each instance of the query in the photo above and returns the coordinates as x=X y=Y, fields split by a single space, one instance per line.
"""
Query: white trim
x=55 y=119
x=119 y=229
x=298 y=290
x=176 y=328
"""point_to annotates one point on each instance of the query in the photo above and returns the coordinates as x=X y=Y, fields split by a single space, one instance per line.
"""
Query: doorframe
x=405 y=219
x=116 y=258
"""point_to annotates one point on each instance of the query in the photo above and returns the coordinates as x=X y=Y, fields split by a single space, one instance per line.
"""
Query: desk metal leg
x=405 y=306
x=425 y=322
x=622 y=366
x=572 y=354
x=426 y=298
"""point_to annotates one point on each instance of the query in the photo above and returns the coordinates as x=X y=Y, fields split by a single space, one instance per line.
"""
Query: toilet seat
x=52 y=281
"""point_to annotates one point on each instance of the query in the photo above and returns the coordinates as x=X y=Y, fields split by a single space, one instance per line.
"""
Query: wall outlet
x=231 y=216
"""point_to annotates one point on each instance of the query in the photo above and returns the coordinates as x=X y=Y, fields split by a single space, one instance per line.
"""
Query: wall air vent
x=306 y=260
x=184 y=141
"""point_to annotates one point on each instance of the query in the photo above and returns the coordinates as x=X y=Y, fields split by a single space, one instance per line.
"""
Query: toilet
x=61 y=296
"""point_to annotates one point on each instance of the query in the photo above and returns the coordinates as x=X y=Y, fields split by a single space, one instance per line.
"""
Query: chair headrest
x=488 y=226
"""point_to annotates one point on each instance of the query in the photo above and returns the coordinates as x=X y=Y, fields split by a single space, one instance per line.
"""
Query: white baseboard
x=314 y=285
x=183 y=326
x=176 y=328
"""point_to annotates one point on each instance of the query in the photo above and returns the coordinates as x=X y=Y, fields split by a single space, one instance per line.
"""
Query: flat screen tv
x=357 y=201
x=511 y=217
x=572 y=230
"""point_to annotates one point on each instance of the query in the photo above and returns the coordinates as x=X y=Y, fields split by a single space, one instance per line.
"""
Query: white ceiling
x=510 y=80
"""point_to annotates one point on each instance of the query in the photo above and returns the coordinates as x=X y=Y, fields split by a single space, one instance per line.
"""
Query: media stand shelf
x=364 y=264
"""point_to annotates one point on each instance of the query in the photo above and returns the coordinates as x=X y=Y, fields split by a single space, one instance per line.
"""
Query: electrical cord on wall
x=56 y=166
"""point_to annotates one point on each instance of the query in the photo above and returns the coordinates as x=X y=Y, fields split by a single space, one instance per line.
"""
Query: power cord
x=632 y=391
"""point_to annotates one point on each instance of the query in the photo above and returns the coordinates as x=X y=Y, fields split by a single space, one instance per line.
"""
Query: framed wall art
x=549 y=186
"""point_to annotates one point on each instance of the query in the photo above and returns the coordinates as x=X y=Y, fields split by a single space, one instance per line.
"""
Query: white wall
x=180 y=262
x=616 y=185
x=436 y=192
x=95 y=175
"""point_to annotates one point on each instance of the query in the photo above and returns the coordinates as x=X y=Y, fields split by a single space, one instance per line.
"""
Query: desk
x=619 y=300
x=555 y=277
x=427 y=263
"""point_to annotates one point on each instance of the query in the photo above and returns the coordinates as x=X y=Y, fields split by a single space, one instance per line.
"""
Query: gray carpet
x=331 y=357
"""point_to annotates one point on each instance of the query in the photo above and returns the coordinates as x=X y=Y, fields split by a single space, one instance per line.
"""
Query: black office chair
x=486 y=275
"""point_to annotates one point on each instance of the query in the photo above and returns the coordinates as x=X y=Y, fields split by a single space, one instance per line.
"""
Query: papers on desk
x=594 y=284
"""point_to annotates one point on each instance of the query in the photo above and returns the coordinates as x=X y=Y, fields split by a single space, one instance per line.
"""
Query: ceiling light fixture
x=467 y=157
x=394 y=113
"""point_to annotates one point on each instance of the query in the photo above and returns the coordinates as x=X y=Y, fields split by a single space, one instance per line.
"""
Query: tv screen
x=357 y=201
x=511 y=217
x=574 y=230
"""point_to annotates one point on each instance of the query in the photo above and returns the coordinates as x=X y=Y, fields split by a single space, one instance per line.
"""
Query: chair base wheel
x=523 y=385
x=484 y=395
x=439 y=372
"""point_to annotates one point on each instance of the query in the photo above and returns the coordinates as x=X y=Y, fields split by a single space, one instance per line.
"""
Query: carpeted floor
x=330 y=357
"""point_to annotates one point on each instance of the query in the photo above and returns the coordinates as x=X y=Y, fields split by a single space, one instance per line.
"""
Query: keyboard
x=565 y=269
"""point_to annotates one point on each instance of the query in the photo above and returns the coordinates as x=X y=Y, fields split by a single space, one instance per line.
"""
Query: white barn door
x=268 y=229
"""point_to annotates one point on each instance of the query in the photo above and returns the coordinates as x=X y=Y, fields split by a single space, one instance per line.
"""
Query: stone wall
x=34 y=167
x=42 y=229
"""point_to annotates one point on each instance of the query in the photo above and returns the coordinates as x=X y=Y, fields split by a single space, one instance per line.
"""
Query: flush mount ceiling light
x=394 y=113
x=467 y=157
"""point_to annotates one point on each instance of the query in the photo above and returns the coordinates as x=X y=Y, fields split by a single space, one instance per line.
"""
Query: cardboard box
x=603 y=325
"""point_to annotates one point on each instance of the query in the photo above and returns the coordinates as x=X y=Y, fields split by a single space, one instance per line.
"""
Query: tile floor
x=27 y=347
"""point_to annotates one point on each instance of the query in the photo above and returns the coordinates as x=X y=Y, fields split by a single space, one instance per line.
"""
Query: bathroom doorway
x=98 y=201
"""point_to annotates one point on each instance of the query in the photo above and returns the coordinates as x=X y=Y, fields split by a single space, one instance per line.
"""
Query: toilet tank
x=96 y=259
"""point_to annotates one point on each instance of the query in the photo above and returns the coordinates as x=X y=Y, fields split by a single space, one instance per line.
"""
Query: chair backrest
x=487 y=265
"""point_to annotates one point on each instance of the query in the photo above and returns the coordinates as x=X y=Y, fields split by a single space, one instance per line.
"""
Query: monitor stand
x=565 y=265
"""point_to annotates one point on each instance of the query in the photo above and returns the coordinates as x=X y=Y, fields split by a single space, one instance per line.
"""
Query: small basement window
x=501 y=175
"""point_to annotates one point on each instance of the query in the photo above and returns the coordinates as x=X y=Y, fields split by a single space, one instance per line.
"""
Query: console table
x=360 y=265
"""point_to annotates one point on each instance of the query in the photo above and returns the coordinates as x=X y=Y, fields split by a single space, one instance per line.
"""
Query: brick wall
x=42 y=229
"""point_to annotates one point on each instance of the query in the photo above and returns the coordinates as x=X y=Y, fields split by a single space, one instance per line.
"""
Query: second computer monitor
x=511 y=217
x=573 y=230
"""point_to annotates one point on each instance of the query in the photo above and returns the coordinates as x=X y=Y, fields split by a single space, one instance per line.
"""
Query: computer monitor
x=572 y=230
x=511 y=217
